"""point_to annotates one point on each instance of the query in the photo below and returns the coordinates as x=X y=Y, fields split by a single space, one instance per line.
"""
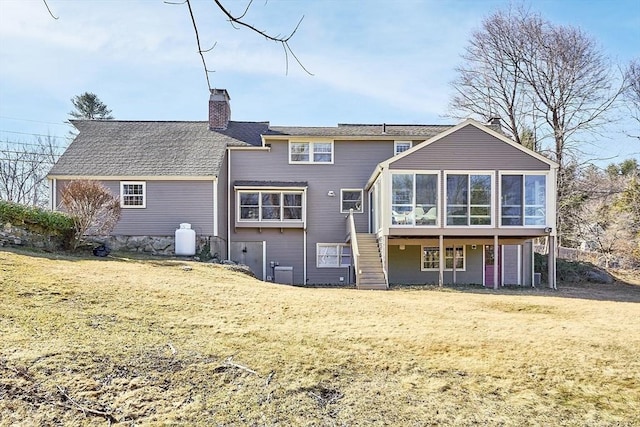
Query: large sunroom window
x=270 y=206
x=523 y=199
x=414 y=199
x=469 y=199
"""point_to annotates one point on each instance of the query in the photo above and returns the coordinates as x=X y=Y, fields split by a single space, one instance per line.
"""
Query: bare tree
x=632 y=90
x=609 y=216
x=94 y=209
x=240 y=21
x=490 y=82
x=548 y=79
x=23 y=170
x=572 y=82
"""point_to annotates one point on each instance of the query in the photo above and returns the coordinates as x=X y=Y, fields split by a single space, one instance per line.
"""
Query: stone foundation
x=206 y=246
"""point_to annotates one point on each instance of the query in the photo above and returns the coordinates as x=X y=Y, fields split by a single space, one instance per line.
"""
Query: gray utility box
x=283 y=275
x=537 y=278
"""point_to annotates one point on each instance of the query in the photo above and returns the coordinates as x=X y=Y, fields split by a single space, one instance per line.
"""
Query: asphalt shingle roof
x=172 y=148
x=366 y=130
x=136 y=148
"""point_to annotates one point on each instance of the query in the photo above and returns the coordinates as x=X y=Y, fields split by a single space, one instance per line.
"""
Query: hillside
x=154 y=342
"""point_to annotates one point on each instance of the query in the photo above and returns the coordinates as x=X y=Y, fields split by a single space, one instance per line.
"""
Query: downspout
x=54 y=194
x=215 y=205
x=228 y=204
x=304 y=242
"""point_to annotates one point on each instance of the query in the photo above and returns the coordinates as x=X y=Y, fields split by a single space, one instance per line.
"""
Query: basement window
x=333 y=255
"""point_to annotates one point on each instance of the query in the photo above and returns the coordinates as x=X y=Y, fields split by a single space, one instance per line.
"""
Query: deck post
x=454 y=264
x=441 y=261
x=551 y=261
x=496 y=261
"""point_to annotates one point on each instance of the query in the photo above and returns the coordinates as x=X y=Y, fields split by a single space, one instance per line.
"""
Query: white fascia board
x=480 y=126
x=132 y=178
x=262 y=148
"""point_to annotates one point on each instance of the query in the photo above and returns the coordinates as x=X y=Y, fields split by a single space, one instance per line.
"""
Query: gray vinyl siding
x=469 y=148
x=285 y=247
x=510 y=265
x=169 y=203
x=405 y=267
x=354 y=162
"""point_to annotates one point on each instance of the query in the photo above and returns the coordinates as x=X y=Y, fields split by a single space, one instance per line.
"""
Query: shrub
x=37 y=220
x=94 y=209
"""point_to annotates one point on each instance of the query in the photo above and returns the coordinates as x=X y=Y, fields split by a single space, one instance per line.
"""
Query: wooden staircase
x=371 y=273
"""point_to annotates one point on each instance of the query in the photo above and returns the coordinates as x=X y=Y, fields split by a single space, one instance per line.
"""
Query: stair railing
x=355 y=251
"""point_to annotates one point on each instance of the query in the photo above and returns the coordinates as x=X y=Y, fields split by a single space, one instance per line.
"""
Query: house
x=355 y=203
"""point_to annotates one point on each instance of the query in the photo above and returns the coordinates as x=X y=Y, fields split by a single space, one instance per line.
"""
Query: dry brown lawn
x=166 y=342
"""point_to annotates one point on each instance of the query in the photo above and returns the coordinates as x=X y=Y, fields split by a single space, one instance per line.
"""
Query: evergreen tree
x=89 y=107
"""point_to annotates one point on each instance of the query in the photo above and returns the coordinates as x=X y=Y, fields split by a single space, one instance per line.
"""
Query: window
x=523 y=200
x=333 y=255
x=133 y=194
x=270 y=206
x=469 y=199
x=431 y=258
x=401 y=147
x=351 y=199
x=311 y=152
x=414 y=199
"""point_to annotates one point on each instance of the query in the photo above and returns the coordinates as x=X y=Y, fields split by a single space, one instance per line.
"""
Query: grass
x=88 y=341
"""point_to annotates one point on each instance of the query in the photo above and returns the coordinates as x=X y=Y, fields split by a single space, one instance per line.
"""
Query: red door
x=490 y=265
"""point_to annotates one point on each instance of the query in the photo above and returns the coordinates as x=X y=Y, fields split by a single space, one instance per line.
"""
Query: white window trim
x=438 y=196
x=464 y=258
x=361 y=209
x=395 y=146
x=492 y=208
x=282 y=206
x=144 y=194
x=311 y=151
x=339 y=247
x=549 y=194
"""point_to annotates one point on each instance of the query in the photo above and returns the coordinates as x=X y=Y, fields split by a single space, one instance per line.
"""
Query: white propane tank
x=185 y=240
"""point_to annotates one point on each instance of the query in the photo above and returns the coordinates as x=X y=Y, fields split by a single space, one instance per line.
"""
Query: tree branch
x=48 y=9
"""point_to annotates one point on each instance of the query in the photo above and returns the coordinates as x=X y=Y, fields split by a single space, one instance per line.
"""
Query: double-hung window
x=401 y=146
x=311 y=152
x=431 y=258
x=271 y=206
x=523 y=199
x=133 y=194
x=469 y=199
x=333 y=255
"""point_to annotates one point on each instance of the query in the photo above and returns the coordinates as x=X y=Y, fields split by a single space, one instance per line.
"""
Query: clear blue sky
x=372 y=61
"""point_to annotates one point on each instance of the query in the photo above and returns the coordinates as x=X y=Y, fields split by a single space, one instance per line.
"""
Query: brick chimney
x=495 y=121
x=219 y=109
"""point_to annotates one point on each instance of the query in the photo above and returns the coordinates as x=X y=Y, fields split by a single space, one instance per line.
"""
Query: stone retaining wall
x=206 y=246
x=13 y=235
